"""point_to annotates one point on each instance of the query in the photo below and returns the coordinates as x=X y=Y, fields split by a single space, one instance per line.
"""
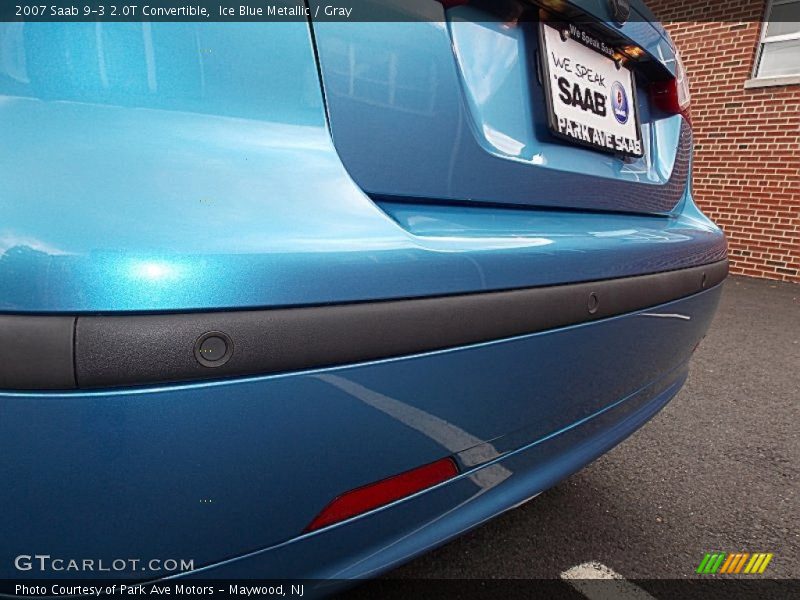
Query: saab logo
x=584 y=98
x=620 y=10
x=734 y=563
x=619 y=102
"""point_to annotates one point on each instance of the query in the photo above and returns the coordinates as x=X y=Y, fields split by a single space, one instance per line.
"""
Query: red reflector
x=380 y=493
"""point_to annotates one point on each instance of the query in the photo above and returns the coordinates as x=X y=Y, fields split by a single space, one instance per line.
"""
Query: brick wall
x=747 y=141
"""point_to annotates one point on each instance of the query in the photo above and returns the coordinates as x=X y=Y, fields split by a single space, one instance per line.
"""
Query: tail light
x=672 y=95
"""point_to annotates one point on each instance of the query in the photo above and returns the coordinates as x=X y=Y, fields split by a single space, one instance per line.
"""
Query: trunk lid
x=448 y=105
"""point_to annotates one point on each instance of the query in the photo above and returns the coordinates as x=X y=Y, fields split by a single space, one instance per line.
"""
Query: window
x=779 y=50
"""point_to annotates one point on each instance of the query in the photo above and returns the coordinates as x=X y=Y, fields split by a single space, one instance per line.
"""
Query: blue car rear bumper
x=219 y=192
x=229 y=473
x=392 y=535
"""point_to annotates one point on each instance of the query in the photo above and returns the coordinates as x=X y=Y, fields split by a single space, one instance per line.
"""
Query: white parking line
x=586 y=579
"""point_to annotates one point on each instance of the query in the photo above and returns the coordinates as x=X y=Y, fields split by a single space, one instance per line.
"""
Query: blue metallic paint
x=452 y=109
x=393 y=535
x=177 y=191
x=270 y=452
x=206 y=258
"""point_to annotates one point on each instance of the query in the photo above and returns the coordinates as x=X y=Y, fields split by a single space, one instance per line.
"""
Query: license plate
x=590 y=100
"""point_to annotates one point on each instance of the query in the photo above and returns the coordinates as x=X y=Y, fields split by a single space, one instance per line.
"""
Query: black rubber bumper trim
x=38 y=352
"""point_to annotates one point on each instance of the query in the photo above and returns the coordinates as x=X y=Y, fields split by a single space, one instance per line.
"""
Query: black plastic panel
x=139 y=349
x=36 y=352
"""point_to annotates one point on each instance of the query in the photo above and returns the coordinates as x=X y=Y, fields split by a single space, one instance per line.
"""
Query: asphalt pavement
x=716 y=470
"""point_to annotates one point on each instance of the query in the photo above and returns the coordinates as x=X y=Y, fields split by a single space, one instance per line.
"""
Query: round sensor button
x=213 y=349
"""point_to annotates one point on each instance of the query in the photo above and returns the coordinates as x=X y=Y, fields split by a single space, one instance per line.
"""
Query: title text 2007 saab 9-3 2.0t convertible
x=305 y=299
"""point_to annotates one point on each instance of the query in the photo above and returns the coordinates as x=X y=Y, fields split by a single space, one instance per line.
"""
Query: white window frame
x=766 y=39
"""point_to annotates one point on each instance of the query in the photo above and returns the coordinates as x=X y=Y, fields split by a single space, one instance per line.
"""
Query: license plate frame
x=592 y=131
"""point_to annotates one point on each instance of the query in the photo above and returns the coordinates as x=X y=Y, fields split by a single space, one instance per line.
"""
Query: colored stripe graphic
x=766 y=562
x=728 y=562
x=753 y=564
x=758 y=563
x=741 y=562
x=734 y=563
x=718 y=563
x=711 y=562
x=703 y=563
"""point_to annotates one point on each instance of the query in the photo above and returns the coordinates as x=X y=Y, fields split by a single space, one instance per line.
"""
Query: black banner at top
x=733 y=11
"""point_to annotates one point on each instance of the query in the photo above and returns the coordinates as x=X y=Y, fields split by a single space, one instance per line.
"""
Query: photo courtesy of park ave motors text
x=391 y=298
